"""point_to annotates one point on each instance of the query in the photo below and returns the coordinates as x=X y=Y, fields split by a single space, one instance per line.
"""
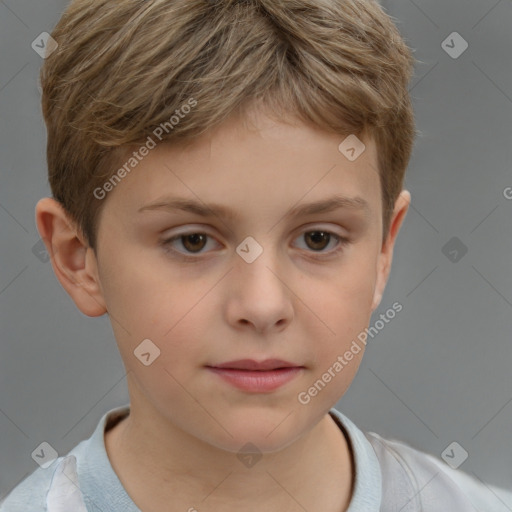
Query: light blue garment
x=390 y=476
x=64 y=493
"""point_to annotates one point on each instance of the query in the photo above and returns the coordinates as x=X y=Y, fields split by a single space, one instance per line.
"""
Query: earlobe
x=386 y=255
x=73 y=261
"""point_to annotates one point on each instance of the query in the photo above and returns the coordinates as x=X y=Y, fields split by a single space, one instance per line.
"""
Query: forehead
x=257 y=163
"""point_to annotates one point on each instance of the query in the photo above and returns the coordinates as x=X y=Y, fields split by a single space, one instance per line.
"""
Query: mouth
x=252 y=365
x=257 y=377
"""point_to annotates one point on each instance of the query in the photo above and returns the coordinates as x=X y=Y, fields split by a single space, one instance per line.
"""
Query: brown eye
x=191 y=243
x=322 y=244
x=194 y=242
x=317 y=240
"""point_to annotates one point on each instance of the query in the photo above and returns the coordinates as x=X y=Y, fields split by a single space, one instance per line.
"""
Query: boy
x=275 y=136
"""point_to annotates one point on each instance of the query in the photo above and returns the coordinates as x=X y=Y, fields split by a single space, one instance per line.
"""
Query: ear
x=73 y=261
x=386 y=255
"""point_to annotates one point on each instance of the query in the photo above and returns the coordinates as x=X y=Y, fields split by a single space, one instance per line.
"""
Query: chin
x=269 y=432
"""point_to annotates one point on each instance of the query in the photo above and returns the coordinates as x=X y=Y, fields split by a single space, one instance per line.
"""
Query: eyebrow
x=330 y=204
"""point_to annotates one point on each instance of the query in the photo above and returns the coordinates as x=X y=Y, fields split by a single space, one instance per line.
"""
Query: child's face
x=300 y=300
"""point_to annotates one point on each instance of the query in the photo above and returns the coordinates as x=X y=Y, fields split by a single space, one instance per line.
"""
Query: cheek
x=140 y=291
x=345 y=297
x=144 y=302
x=343 y=304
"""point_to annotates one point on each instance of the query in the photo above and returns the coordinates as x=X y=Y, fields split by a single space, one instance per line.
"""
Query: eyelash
x=342 y=243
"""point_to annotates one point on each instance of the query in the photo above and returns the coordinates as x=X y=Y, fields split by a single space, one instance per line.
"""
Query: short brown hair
x=123 y=67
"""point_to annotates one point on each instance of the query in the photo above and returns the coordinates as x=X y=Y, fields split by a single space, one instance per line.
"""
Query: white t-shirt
x=390 y=476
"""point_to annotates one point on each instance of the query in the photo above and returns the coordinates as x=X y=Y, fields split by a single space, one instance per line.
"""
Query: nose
x=259 y=296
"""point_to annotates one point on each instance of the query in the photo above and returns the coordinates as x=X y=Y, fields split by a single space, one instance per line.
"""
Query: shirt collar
x=96 y=473
x=367 y=488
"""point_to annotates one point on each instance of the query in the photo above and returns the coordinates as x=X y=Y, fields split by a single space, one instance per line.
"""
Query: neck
x=165 y=469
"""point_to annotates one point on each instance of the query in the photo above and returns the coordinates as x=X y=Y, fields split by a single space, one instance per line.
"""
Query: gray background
x=439 y=372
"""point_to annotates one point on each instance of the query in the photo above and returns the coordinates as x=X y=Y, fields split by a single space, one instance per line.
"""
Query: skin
x=300 y=301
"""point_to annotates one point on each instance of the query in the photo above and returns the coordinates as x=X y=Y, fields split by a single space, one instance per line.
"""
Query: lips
x=251 y=364
x=257 y=377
